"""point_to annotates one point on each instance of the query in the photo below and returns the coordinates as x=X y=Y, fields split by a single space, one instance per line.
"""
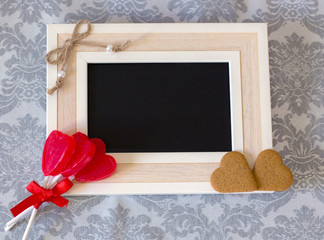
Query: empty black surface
x=160 y=107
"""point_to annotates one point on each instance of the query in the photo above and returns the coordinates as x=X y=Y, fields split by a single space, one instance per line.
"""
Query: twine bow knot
x=61 y=55
x=64 y=52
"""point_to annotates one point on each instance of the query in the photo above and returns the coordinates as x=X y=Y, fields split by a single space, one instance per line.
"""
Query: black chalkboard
x=160 y=107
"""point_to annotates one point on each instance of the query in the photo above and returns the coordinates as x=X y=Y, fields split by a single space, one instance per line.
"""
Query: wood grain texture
x=247 y=44
x=162 y=172
x=66 y=97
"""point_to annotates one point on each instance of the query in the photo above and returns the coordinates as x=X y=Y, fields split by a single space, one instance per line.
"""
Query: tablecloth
x=296 y=52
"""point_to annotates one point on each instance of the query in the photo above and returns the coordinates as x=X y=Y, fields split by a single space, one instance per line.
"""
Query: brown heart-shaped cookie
x=233 y=175
x=270 y=173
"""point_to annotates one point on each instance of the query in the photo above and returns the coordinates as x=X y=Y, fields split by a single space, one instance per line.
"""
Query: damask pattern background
x=296 y=49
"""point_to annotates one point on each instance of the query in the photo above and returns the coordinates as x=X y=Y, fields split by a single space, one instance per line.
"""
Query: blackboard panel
x=160 y=107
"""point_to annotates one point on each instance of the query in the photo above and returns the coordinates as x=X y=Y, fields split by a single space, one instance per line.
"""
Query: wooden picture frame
x=244 y=46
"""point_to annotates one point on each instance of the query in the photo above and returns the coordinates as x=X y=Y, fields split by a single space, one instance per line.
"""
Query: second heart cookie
x=270 y=173
x=233 y=175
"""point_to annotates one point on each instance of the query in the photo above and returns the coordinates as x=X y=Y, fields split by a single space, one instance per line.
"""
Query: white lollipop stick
x=71 y=178
x=53 y=181
x=31 y=221
x=33 y=216
x=13 y=221
x=49 y=183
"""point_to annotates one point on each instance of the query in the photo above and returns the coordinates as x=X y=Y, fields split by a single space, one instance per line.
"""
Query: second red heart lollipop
x=84 y=152
x=100 y=167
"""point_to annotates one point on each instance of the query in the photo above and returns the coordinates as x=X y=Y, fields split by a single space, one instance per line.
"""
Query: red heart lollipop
x=57 y=152
x=84 y=152
x=100 y=167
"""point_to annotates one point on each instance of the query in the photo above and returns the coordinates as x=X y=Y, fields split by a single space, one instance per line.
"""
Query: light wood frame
x=172 y=177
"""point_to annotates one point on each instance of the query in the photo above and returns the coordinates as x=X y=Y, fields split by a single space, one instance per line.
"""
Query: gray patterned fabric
x=296 y=47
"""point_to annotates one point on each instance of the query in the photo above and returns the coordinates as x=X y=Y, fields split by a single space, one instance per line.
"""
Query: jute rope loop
x=61 y=55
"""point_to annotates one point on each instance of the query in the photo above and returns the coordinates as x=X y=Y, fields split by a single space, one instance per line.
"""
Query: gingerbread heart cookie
x=270 y=173
x=233 y=175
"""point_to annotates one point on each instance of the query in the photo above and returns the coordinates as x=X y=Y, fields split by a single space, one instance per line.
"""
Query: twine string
x=61 y=55
x=64 y=52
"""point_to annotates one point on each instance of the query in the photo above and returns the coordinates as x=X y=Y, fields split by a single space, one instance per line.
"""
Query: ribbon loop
x=76 y=35
x=63 y=53
x=41 y=195
x=55 y=56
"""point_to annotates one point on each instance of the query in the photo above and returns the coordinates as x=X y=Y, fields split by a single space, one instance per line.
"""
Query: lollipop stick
x=71 y=178
x=47 y=178
x=32 y=217
x=50 y=182
x=53 y=181
x=31 y=220
x=47 y=184
x=13 y=221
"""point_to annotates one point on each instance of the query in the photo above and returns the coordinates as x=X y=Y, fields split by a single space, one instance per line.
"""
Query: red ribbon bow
x=41 y=195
